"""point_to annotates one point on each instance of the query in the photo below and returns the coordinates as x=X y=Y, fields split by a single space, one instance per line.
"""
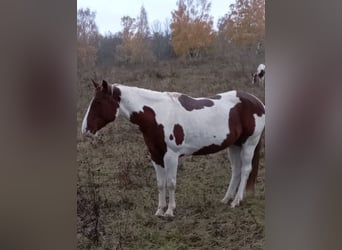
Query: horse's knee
x=161 y=185
x=246 y=169
x=171 y=183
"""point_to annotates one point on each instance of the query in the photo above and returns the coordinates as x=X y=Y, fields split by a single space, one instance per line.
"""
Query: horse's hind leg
x=161 y=183
x=247 y=153
x=235 y=165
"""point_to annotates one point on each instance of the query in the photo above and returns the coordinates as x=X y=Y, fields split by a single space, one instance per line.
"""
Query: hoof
x=235 y=203
x=169 y=214
x=159 y=213
x=225 y=200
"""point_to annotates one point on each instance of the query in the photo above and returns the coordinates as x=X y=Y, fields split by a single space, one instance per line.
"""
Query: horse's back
x=230 y=114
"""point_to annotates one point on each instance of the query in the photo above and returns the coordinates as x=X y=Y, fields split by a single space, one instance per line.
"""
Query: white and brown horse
x=174 y=124
x=259 y=75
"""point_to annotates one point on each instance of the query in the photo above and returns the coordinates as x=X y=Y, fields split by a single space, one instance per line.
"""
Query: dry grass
x=117 y=193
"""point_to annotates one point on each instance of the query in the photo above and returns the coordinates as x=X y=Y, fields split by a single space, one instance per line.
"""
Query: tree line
x=189 y=34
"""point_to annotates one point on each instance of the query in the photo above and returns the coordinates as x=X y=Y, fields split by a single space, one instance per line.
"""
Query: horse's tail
x=255 y=166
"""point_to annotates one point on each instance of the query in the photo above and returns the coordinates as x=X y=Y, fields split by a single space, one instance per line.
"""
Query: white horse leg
x=161 y=183
x=262 y=81
x=235 y=165
x=246 y=155
x=171 y=165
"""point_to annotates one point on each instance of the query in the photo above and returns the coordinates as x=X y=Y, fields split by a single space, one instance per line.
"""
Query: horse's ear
x=104 y=85
x=96 y=85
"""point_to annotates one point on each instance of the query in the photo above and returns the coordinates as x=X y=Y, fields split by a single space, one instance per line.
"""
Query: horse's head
x=103 y=108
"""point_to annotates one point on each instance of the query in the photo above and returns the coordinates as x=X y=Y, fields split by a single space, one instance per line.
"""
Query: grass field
x=117 y=192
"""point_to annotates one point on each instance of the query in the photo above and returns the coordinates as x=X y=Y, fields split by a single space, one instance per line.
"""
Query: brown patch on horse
x=241 y=118
x=241 y=124
x=153 y=133
x=211 y=149
x=116 y=94
x=261 y=74
x=103 y=108
x=191 y=104
x=251 y=104
x=179 y=134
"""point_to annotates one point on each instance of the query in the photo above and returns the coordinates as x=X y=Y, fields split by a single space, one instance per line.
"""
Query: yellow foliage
x=191 y=27
x=245 y=23
x=134 y=47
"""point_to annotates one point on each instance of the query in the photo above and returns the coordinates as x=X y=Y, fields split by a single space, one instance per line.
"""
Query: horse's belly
x=204 y=131
x=205 y=142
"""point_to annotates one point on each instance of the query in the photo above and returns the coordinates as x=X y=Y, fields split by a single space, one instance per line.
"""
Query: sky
x=109 y=12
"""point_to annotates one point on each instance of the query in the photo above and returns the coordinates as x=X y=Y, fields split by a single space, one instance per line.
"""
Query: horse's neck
x=133 y=99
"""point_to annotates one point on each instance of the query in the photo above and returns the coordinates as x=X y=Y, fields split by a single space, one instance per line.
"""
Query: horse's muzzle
x=87 y=133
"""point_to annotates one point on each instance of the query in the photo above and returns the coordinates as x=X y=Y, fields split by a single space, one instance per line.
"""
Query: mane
x=145 y=93
x=136 y=88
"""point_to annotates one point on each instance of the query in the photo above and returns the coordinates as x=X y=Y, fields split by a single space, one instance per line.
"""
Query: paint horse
x=259 y=75
x=174 y=124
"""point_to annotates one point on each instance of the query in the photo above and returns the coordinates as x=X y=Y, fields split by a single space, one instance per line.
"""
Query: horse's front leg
x=171 y=165
x=161 y=183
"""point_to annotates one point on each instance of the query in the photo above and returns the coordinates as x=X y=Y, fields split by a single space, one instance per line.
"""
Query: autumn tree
x=142 y=27
x=191 y=27
x=124 y=50
x=241 y=35
x=160 y=40
x=87 y=39
x=135 y=47
x=141 y=45
x=244 y=24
